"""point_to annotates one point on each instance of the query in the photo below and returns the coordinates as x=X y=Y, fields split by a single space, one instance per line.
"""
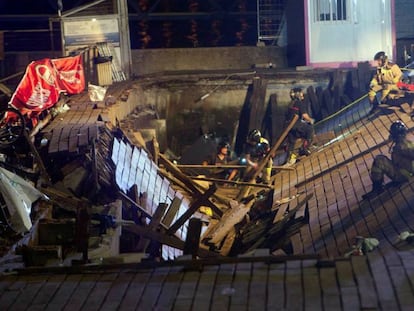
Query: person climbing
x=385 y=79
x=401 y=165
x=303 y=128
x=256 y=148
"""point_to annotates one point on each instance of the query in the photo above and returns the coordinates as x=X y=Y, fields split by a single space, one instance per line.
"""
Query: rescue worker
x=401 y=165
x=303 y=128
x=256 y=148
x=223 y=156
x=385 y=80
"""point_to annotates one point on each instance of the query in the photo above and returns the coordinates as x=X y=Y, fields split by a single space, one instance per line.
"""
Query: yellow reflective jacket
x=388 y=74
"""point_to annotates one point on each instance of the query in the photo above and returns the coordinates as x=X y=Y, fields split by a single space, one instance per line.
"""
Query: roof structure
x=327 y=271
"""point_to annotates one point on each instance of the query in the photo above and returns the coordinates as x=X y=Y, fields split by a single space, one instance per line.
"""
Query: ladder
x=270 y=17
x=106 y=49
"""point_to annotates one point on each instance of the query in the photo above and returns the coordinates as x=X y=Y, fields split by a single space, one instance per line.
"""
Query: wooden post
x=154 y=223
x=82 y=230
x=37 y=157
x=192 y=240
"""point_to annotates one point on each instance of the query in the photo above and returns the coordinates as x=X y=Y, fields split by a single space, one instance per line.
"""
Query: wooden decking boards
x=359 y=282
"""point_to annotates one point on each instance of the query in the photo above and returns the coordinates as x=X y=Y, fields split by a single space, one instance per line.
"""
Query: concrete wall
x=227 y=58
x=177 y=100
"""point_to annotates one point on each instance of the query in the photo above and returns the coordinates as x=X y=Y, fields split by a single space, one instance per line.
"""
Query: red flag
x=70 y=74
x=38 y=89
x=405 y=86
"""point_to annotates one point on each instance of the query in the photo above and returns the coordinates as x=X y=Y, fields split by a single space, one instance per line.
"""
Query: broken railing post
x=192 y=240
x=82 y=230
x=155 y=221
x=37 y=156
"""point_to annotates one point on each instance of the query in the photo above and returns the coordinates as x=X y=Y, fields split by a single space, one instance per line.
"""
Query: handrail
x=12 y=76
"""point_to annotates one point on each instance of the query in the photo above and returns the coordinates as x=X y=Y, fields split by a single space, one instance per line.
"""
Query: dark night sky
x=181 y=29
x=36 y=6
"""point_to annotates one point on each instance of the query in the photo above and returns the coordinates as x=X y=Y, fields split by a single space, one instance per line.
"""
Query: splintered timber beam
x=232 y=182
x=176 y=172
x=155 y=221
x=165 y=239
x=224 y=166
x=201 y=200
x=219 y=198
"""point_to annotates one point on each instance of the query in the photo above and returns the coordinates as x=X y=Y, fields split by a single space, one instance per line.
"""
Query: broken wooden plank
x=201 y=200
x=281 y=212
x=170 y=240
x=215 y=166
x=176 y=172
x=234 y=182
x=154 y=223
x=172 y=211
x=231 y=217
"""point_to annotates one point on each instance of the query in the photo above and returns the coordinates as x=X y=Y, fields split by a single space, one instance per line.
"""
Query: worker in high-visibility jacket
x=385 y=80
x=256 y=148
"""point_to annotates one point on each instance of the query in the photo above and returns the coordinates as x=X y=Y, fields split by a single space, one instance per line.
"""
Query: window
x=330 y=10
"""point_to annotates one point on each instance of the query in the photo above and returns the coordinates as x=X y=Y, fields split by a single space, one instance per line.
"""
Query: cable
x=221 y=84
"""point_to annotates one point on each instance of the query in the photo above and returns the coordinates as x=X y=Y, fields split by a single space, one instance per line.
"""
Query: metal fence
x=270 y=18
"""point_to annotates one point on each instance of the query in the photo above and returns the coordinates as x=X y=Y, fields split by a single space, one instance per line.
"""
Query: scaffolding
x=270 y=17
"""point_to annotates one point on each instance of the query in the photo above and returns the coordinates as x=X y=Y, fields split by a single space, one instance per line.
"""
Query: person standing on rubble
x=401 y=165
x=256 y=148
x=303 y=128
x=385 y=80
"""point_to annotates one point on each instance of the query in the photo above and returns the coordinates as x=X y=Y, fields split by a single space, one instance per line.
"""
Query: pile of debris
x=103 y=192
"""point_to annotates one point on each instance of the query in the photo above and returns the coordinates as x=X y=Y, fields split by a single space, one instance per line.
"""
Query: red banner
x=43 y=81
x=38 y=89
x=71 y=78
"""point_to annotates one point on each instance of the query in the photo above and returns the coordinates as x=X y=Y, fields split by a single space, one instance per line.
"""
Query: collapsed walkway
x=318 y=275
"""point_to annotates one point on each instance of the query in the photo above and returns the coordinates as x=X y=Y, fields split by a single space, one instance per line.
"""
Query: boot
x=304 y=151
x=374 y=106
x=291 y=159
x=377 y=188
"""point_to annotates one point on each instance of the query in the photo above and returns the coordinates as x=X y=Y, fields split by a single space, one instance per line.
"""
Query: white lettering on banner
x=44 y=73
x=72 y=76
x=39 y=97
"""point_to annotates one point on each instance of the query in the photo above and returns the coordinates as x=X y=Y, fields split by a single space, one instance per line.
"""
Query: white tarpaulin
x=19 y=195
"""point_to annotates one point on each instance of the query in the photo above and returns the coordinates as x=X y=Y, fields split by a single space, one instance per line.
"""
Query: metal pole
x=125 y=42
